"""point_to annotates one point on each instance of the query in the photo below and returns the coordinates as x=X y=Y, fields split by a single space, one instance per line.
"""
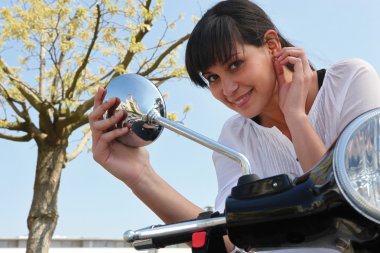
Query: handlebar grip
x=178 y=230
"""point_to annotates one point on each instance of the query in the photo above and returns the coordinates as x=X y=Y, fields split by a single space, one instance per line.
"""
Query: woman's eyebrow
x=232 y=57
x=204 y=73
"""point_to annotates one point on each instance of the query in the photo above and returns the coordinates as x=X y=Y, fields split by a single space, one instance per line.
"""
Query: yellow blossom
x=186 y=108
x=120 y=69
x=22 y=60
x=165 y=95
x=195 y=19
x=172 y=116
x=172 y=25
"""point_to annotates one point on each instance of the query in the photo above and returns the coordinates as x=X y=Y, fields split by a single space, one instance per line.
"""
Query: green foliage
x=66 y=49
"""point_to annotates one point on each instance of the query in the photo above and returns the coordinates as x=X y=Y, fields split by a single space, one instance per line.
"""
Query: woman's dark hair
x=214 y=36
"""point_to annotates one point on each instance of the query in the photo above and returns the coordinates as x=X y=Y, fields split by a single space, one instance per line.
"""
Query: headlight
x=356 y=164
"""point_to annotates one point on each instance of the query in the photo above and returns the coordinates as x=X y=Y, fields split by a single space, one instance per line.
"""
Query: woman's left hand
x=293 y=93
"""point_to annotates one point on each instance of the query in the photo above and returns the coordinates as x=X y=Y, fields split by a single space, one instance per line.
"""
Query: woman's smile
x=241 y=101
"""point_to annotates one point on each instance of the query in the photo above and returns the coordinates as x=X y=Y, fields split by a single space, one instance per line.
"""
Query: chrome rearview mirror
x=146 y=115
x=139 y=98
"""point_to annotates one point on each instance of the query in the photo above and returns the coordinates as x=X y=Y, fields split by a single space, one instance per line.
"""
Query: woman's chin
x=249 y=115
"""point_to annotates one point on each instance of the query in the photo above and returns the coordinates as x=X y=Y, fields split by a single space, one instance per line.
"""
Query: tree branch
x=78 y=113
x=79 y=147
x=42 y=80
x=102 y=78
x=164 y=54
x=159 y=80
x=29 y=93
x=11 y=101
x=34 y=99
x=23 y=138
x=58 y=75
x=155 y=49
x=16 y=126
x=71 y=89
x=27 y=126
x=138 y=38
x=57 y=63
x=83 y=120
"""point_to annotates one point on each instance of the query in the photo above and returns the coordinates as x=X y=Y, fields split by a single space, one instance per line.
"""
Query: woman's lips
x=242 y=100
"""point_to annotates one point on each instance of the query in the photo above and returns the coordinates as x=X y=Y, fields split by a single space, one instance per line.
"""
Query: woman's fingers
x=293 y=92
x=111 y=111
x=279 y=72
x=290 y=51
x=298 y=74
x=112 y=135
x=102 y=150
x=98 y=124
x=103 y=136
x=99 y=97
x=100 y=109
x=298 y=58
x=109 y=123
x=283 y=54
x=102 y=147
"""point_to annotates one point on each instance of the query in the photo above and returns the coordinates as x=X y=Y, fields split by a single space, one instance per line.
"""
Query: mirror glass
x=138 y=97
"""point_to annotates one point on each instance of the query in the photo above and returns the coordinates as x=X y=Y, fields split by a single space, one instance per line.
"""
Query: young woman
x=288 y=113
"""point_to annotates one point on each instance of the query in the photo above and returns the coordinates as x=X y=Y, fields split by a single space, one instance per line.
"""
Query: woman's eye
x=212 y=78
x=235 y=65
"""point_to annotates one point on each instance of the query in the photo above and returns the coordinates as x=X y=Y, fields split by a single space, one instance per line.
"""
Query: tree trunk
x=43 y=214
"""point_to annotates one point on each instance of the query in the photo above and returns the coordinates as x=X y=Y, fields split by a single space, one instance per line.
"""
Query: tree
x=71 y=48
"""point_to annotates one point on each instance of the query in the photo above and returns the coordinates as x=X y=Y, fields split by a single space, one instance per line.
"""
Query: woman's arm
x=162 y=199
x=131 y=165
x=295 y=99
x=307 y=143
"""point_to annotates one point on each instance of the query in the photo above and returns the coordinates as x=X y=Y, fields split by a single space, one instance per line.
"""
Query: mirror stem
x=154 y=117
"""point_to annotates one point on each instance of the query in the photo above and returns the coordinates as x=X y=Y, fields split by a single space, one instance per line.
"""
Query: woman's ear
x=271 y=40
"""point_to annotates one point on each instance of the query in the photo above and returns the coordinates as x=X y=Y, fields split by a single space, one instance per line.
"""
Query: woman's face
x=246 y=83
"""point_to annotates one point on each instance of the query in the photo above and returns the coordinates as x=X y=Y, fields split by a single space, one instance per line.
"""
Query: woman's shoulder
x=234 y=127
x=348 y=73
x=234 y=122
x=348 y=67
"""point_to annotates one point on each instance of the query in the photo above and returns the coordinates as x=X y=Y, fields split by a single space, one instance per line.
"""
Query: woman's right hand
x=126 y=163
x=131 y=165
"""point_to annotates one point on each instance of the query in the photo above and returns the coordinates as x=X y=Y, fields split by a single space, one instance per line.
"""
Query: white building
x=85 y=245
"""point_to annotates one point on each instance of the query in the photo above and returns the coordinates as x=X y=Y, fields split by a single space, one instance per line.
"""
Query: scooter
x=335 y=205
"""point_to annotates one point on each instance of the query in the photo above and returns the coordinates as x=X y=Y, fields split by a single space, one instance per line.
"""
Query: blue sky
x=94 y=204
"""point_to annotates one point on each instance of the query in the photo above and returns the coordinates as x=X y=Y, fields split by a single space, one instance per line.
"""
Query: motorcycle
x=335 y=205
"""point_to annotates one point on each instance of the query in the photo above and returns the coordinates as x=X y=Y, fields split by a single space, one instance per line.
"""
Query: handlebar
x=159 y=236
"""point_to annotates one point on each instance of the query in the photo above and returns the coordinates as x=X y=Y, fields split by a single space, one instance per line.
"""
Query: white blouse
x=350 y=87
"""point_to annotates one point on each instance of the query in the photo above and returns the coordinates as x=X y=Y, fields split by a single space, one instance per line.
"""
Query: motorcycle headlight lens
x=357 y=164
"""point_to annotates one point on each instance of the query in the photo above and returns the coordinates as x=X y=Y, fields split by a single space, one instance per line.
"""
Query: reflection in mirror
x=138 y=97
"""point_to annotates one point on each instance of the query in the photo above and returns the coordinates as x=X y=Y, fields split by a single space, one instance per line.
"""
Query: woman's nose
x=229 y=87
